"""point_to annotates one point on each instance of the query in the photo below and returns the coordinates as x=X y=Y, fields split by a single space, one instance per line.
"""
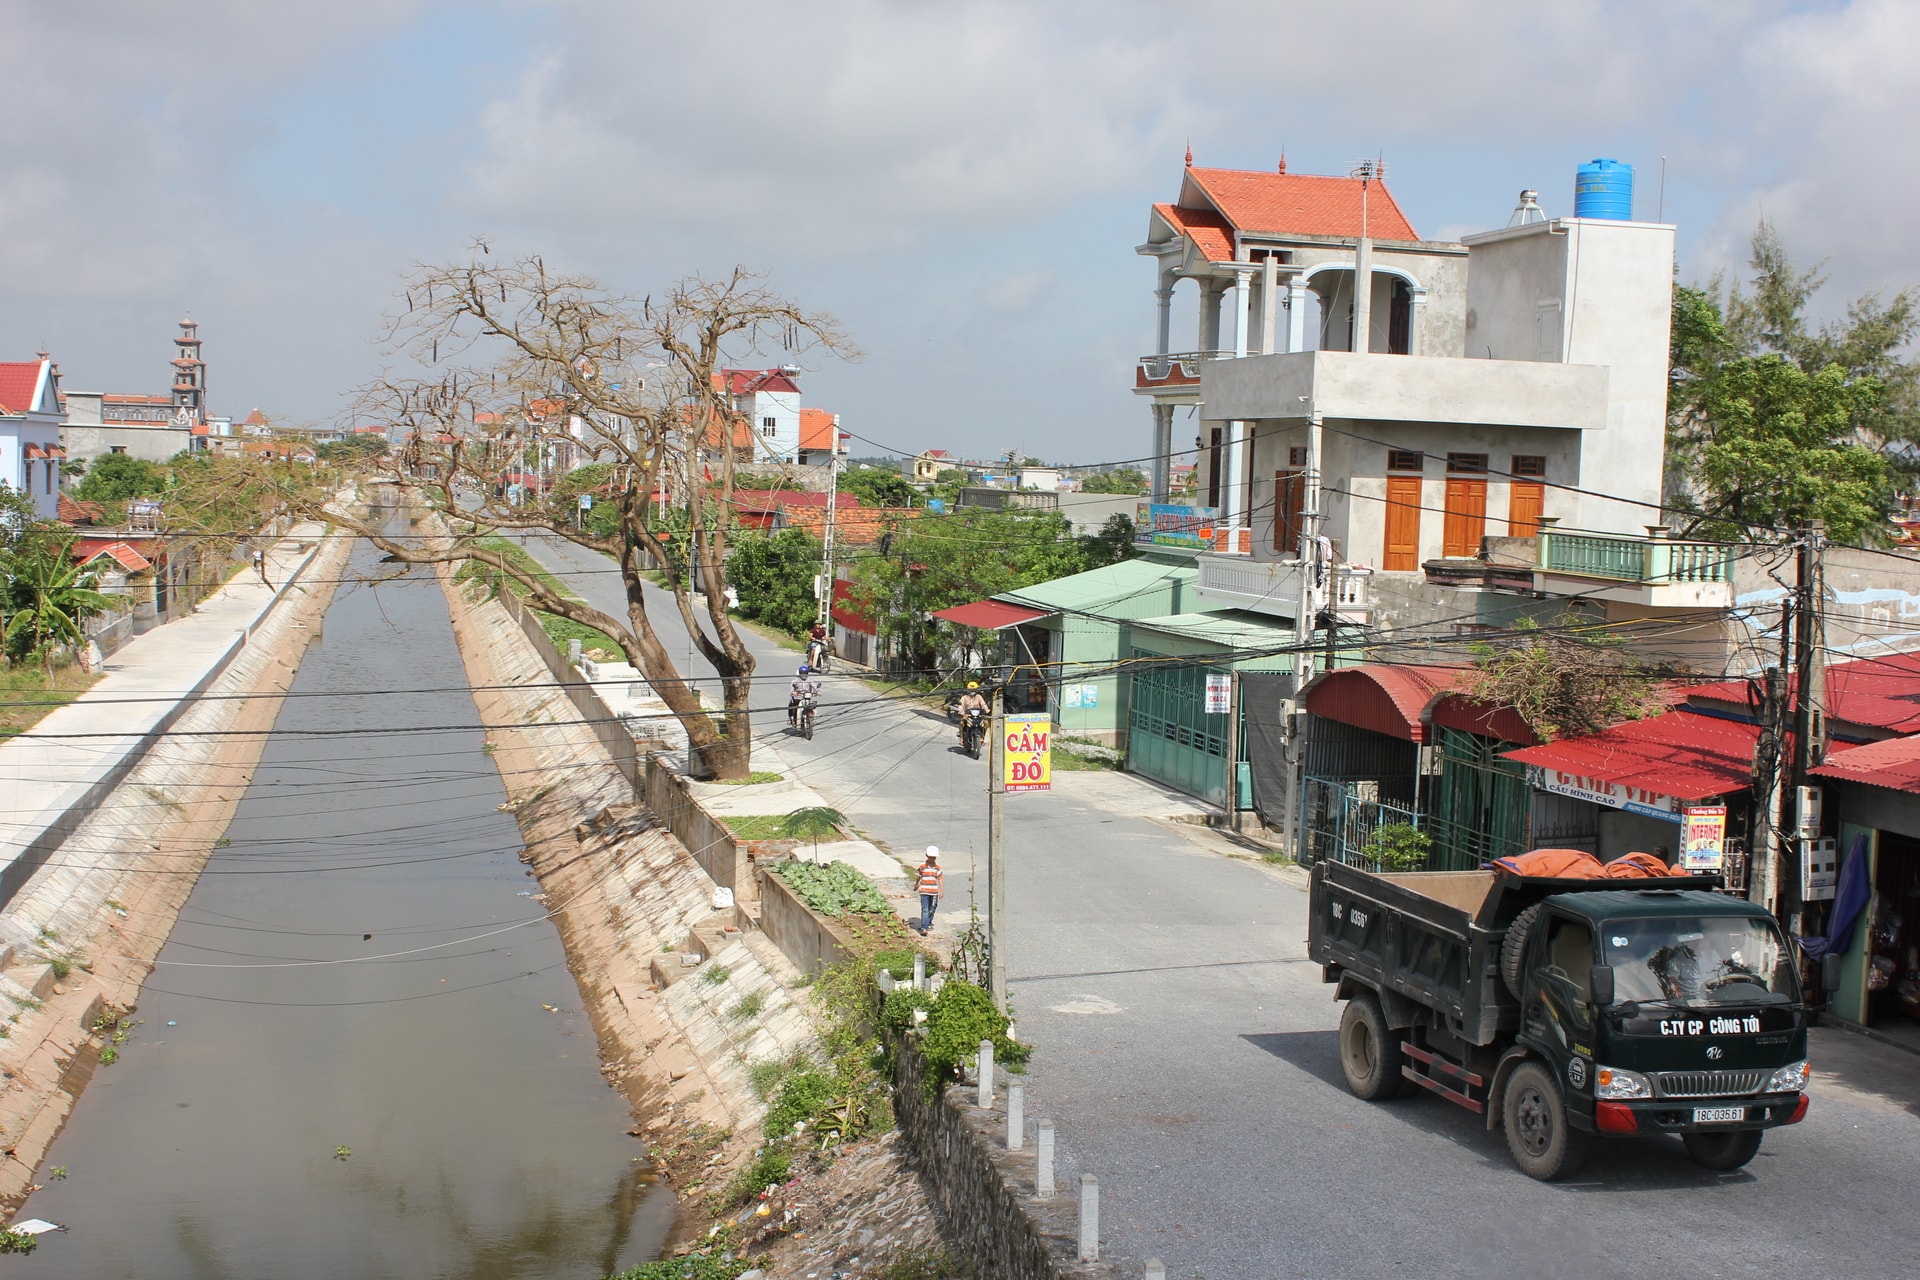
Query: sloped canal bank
x=361 y=1052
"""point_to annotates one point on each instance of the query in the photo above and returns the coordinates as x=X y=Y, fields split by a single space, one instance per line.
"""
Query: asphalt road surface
x=1185 y=1050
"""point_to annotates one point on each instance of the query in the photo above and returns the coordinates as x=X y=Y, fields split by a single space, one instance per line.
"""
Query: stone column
x=1210 y=291
x=1269 y=304
x=1162 y=451
x=1242 y=283
x=1297 y=313
x=1165 y=296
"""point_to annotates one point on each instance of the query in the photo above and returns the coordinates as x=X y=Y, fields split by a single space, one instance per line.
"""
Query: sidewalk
x=53 y=775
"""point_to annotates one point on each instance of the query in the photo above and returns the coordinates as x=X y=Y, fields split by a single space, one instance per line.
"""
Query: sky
x=961 y=184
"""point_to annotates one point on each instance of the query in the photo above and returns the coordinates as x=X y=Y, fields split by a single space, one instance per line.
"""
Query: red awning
x=1893 y=764
x=1681 y=754
x=989 y=615
x=1385 y=699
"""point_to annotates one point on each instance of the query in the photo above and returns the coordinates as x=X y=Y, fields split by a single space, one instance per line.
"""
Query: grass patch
x=753 y=779
x=753 y=826
x=558 y=629
x=1276 y=859
x=747 y=1006
x=28 y=695
x=715 y=974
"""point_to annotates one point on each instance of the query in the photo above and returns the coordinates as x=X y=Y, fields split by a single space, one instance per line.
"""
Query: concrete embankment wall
x=105 y=897
x=627 y=895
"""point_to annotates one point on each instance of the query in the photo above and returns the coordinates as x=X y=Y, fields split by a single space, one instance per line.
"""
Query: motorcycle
x=817 y=655
x=805 y=715
x=973 y=728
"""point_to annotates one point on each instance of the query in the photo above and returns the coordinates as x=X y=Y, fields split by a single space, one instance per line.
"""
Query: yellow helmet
x=973 y=684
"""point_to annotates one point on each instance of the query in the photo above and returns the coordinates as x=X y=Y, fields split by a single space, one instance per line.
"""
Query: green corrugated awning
x=1122 y=591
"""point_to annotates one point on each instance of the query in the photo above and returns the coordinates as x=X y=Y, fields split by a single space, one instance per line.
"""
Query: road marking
x=1086 y=1005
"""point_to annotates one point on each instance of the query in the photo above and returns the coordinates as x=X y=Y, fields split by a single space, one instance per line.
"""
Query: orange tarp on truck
x=1578 y=864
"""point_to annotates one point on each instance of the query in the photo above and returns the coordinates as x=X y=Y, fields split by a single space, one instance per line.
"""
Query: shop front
x=1632 y=788
x=1875 y=790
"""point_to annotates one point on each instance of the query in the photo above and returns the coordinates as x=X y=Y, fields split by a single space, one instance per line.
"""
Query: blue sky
x=962 y=185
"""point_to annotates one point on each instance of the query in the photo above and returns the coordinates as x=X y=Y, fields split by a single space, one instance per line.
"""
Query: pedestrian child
x=929 y=886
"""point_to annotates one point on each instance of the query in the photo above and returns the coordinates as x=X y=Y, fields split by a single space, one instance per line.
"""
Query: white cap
x=933 y=851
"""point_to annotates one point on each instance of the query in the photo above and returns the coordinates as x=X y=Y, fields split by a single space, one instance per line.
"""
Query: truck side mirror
x=1600 y=982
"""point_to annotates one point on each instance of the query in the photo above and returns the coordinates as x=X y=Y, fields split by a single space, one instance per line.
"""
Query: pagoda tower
x=189 y=374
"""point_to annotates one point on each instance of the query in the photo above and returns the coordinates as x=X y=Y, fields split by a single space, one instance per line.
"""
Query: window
x=1289 y=500
x=118 y=448
x=1297 y=456
x=1406 y=460
x=1570 y=955
x=1529 y=464
x=1467 y=464
x=768 y=426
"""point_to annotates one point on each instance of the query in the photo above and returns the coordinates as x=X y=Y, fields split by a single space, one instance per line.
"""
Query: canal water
x=361 y=1053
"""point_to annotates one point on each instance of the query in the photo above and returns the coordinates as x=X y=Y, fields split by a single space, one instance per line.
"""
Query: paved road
x=1186 y=1052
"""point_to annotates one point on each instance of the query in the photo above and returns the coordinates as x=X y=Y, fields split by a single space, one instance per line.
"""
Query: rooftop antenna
x=1528 y=211
x=1662 y=215
x=1369 y=172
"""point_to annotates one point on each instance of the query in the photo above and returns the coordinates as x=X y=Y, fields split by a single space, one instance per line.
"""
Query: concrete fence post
x=986 y=1075
x=1156 y=1269
x=919 y=971
x=1043 y=1171
x=1016 y=1116
x=1089 y=1218
x=573 y=652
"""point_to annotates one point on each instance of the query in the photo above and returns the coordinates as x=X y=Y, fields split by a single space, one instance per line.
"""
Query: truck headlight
x=1618 y=1082
x=1791 y=1078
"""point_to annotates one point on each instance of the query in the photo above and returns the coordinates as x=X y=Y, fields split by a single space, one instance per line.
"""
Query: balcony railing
x=1162 y=368
x=1656 y=558
x=1273 y=586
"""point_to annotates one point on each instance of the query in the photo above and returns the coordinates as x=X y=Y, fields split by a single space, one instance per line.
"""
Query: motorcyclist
x=803 y=686
x=816 y=635
x=971 y=700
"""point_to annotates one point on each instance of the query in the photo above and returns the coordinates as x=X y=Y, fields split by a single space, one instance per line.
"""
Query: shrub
x=899 y=962
x=961 y=1016
x=897 y=1014
x=802 y=1096
x=1399 y=846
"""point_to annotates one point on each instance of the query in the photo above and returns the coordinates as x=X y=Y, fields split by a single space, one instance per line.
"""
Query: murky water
x=483 y=1140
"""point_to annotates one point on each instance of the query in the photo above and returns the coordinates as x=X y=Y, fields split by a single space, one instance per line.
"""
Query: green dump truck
x=1566 y=1009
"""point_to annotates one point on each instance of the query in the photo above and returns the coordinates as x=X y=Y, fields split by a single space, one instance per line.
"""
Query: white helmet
x=933 y=853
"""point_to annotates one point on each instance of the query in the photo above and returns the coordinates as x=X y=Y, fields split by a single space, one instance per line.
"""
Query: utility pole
x=1763 y=839
x=996 y=863
x=1809 y=720
x=833 y=506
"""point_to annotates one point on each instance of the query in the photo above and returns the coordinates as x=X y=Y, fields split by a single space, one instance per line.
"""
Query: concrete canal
x=361 y=1053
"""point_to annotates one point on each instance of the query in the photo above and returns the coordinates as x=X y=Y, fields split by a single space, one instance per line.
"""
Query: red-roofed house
x=819 y=437
x=769 y=401
x=30 y=420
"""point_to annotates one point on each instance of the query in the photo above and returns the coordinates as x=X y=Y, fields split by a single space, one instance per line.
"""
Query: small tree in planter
x=1399 y=846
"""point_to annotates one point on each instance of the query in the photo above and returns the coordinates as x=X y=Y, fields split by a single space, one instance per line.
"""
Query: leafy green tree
x=116 y=477
x=773 y=575
x=1112 y=544
x=1772 y=422
x=936 y=562
x=1124 y=480
x=48 y=596
x=879 y=488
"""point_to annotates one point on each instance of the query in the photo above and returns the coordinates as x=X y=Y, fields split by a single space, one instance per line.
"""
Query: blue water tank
x=1604 y=189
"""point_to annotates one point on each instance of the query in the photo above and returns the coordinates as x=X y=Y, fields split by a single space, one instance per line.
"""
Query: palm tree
x=48 y=596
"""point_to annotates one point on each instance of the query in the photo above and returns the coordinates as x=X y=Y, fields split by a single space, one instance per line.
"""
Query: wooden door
x=1525 y=502
x=1466 y=522
x=1403 y=525
x=1289 y=500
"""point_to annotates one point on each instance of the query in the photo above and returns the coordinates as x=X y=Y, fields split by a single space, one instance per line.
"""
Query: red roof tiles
x=1894 y=764
x=1682 y=754
x=19 y=379
x=1882 y=693
x=1210 y=233
x=818 y=429
x=1301 y=204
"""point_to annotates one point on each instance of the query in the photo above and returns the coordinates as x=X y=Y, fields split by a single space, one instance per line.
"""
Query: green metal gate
x=1479 y=802
x=1172 y=739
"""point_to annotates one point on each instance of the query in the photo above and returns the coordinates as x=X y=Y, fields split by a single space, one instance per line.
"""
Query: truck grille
x=1707 y=1084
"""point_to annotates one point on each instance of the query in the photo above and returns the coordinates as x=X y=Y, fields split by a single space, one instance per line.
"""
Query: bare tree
x=519 y=363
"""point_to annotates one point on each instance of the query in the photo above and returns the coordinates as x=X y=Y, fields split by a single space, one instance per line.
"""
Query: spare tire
x=1513 y=947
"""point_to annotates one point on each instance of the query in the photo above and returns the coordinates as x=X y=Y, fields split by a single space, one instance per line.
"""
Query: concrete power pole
x=1809 y=719
x=1763 y=839
x=833 y=507
x=996 y=862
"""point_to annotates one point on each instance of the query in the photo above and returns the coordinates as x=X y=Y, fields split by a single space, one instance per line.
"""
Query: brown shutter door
x=1525 y=503
x=1403 y=525
x=1289 y=501
x=1466 y=520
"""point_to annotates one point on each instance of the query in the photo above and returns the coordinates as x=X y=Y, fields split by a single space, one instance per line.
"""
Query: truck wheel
x=1370 y=1056
x=1513 y=948
x=1723 y=1150
x=1535 y=1114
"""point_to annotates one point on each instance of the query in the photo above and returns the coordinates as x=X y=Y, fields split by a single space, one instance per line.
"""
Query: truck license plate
x=1719 y=1115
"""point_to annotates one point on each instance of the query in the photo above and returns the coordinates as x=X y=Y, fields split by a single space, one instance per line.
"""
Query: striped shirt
x=930 y=880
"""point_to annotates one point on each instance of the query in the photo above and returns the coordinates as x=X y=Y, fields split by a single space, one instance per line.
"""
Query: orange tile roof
x=18 y=381
x=853 y=527
x=1209 y=232
x=73 y=511
x=1300 y=204
x=818 y=428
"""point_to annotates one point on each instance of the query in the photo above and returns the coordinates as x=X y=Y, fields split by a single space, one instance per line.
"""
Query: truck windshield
x=1699 y=961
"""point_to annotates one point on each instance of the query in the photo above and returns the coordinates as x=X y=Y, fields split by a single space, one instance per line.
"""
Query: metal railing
x=1653 y=559
x=1157 y=367
x=1338 y=820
